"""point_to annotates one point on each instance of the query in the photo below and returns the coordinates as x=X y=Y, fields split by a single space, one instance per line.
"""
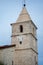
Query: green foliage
x=1 y=63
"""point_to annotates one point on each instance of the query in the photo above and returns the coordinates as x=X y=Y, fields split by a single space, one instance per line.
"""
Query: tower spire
x=24 y=3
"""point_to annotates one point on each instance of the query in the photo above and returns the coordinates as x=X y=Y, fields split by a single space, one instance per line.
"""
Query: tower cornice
x=23 y=34
x=26 y=49
x=24 y=22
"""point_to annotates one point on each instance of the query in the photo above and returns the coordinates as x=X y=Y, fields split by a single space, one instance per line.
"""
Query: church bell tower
x=25 y=40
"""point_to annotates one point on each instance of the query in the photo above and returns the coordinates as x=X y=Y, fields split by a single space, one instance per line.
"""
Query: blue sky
x=9 y=12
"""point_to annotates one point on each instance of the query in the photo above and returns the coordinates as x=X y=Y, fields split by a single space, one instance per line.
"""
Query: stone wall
x=7 y=55
x=23 y=57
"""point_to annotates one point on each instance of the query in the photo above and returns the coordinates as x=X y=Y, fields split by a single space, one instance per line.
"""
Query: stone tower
x=25 y=40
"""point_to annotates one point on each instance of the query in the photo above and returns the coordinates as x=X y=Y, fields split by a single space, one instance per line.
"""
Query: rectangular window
x=21 y=28
x=12 y=62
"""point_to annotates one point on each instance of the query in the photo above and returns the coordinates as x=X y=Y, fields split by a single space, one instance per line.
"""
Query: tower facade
x=25 y=40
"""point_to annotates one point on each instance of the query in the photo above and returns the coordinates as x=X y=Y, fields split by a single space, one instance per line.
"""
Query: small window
x=33 y=30
x=36 y=63
x=35 y=59
x=21 y=28
x=20 y=42
x=12 y=62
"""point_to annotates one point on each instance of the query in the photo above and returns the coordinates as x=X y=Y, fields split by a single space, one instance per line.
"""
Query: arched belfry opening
x=21 y=28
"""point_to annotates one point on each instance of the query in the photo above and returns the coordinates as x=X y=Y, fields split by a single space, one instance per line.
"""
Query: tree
x=1 y=63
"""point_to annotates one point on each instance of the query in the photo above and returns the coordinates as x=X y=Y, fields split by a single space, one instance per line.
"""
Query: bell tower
x=24 y=37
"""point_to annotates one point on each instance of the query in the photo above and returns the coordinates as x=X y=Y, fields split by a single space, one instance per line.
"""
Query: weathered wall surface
x=16 y=28
x=7 y=56
x=23 y=57
x=26 y=39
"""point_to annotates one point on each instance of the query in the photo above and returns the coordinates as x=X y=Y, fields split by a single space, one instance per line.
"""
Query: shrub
x=1 y=63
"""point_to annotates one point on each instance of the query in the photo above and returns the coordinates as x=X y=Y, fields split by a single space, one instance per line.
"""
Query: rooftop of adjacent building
x=7 y=46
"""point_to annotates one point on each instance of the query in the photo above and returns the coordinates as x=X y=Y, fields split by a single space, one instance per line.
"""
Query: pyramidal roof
x=24 y=16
